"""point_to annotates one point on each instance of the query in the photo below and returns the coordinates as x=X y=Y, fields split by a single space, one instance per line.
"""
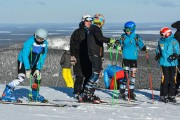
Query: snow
x=143 y=111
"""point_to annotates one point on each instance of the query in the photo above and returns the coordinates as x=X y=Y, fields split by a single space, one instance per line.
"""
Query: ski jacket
x=95 y=40
x=66 y=60
x=79 y=49
x=166 y=47
x=177 y=33
x=33 y=54
x=78 y=41
x=110 y=71
x=130 y=44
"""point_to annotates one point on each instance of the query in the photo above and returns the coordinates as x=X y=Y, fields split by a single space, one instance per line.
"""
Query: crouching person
x=30 y=62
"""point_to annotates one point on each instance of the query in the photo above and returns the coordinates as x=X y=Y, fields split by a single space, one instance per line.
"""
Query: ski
x=39 y=104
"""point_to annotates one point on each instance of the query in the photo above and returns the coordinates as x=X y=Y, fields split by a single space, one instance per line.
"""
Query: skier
x=79 y=56
x=66 y=67
x=113 y=72
x=95 y=40
x=130 y=42
x=167 y=53
x=177 y=36
x=30 y=62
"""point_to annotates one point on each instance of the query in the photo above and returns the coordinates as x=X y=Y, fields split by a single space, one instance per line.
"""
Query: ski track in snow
x=143 y=111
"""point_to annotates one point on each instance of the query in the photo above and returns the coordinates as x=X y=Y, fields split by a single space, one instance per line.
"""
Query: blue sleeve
x=42 y=58
x=106 y=79
x=26 y=52
x=140 y=42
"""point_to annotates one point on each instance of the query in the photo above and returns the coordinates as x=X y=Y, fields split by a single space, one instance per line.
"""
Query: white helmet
x=86 y=17
x=66 y=47
x=41 y=33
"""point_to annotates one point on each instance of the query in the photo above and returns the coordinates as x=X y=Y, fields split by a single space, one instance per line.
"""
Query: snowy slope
x=144 y=111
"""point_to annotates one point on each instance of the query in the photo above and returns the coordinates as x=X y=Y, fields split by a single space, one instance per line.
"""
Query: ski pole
x=115 y=86
x=150 y=75
x=30 y=80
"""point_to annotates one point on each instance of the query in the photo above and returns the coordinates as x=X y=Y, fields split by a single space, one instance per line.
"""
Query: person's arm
x=62 y=59
x=74 y=43
x=106 y=79
x=26 y=52
x=99 y=36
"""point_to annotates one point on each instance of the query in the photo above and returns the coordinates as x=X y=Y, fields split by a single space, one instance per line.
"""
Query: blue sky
x=70 y=11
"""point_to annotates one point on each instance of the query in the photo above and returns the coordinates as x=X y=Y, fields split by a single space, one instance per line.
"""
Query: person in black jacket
x=79 y=56
x=95 y=40
x=177 y=36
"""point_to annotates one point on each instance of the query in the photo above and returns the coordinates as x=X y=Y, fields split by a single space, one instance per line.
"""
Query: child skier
x=66 y=67
x=130 y=42
x=30 y=62
x=113 y=72
x=167 y=53
x=95 y=40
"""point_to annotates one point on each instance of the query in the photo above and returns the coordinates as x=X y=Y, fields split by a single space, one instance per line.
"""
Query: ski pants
x=67 y=76
x=96 y=69
x=130 y=68
x=21 y=77
x=168 y=88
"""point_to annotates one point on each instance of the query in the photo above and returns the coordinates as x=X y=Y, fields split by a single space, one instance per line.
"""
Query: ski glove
x=157 y=57
x=37 y=75
x=144 y=48
x=28 y=74
x=174 y=56
x=73 y=60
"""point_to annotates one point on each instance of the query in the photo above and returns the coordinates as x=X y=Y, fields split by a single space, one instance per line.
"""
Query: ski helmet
x=129 y=26
x=99 y=19
x=165 y=31
x=86 y=18
x=41 y=34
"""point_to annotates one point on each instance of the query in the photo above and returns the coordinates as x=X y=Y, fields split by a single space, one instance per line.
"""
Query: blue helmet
x=129 y=26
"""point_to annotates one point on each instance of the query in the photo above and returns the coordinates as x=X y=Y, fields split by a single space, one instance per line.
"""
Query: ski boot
x=132 y=95
x=122 y=95
x=91 y=99
x=7 y=95
x=36 y=97
x=164 y=99
x=78 y=97
x=172 y=99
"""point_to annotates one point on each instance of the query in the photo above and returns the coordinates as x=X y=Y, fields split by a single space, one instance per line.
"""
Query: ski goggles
x=40 y=38
x=88 y=19
x=127 y=29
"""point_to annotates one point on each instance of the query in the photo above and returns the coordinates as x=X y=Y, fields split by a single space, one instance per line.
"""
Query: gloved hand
x=174 y=56
x=112 y=41
x=37 y=74
x=28 y=74
x=144 y=48
x=73 y=60
x=157 y=57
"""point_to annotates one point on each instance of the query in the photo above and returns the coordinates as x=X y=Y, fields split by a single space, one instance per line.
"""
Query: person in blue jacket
x=112 y=72
x=167 y=53
x=130 y=42
x=30 y=62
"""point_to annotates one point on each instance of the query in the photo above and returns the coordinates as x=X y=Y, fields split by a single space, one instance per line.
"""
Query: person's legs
x=164 y=84
x=7 y=94
x=172 y=85
x=90 y=86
